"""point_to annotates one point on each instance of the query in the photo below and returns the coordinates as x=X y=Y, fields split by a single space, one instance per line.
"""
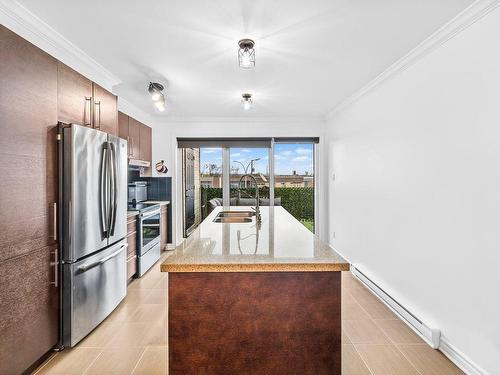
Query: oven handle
x=149 y=214
x=86 y=267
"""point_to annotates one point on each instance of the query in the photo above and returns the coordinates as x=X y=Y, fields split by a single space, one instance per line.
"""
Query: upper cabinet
x=139 y=137
x=105 y=110
x=82 y=101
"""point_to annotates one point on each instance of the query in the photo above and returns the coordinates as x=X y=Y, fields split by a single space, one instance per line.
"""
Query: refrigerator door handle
x=114 y=188
x=86 y=267
x=103 y=190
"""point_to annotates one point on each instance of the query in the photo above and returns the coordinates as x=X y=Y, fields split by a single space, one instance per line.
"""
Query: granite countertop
x=282 y=244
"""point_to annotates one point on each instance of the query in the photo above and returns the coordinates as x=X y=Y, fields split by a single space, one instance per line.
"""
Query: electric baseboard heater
x=430 y=335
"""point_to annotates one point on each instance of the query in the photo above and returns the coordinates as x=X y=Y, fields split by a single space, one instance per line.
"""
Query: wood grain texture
x=134 y=137
x=74 y=93
x=29 y=310
x=105 y=110
x=163 y=227
x=28 y=165
x=258 y=323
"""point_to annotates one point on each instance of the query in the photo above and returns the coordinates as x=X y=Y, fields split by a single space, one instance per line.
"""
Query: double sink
x=234 y=217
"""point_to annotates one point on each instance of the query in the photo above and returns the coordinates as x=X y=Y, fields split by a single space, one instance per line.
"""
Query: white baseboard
x=433 y=337
x=460 y=359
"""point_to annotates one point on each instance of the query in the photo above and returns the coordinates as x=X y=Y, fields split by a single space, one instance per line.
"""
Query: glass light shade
x=155 y=95
x=160 y=103
x=247 y=102
x=246 y=53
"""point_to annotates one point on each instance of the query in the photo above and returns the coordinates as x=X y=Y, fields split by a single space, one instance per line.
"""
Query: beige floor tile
x=70 y=362
x=162 y=284
x=157 y=334
x=429 y=361
x=352 y=364
x=349 y=281
x=385 y=360
x=153 y=361
x=130 y=335
x=378 y=310
x=398 y=332
x=157 y=296
x=345 y=339
x=353 y=311
x=347 y=297
x=148 y=313
x=100 y=336
x=147 y=281
x=120 y=361
x=136 y=296
x=364 y=332
x=363 y=296
x=122 y=313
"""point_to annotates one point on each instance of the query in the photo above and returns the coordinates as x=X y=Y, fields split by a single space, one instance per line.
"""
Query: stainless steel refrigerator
x=93 y=227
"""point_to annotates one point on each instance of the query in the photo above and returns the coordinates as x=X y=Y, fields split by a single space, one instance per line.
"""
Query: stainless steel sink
x=236 y=214
x=232 y=219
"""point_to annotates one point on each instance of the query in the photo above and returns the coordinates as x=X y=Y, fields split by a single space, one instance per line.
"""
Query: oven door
x=149 y=231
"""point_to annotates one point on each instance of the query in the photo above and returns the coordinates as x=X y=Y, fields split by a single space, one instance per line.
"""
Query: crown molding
x=249 y=120
x=24 y=23
x=462 y=21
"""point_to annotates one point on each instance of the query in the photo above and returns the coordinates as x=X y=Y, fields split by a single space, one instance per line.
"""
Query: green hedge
x=299 y=201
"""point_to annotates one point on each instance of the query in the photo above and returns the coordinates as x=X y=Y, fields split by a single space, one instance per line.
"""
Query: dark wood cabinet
x=134 y=138
x=105 y=110
x=139 y=137
x=132 y=246
x=163 y=227
x=82 y=101
x=29 y=298
x=74 y=96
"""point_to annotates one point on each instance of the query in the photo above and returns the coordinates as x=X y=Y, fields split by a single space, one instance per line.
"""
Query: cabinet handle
x=98 y=126
x=55 y=263
x=54 y=208
x=87 y=112
x=129 y=148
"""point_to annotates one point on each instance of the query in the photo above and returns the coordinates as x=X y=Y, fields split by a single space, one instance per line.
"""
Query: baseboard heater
x=430 y=335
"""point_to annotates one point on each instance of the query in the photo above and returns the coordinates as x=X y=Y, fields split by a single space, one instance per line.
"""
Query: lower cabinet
x=132 y=247
x=163 y=227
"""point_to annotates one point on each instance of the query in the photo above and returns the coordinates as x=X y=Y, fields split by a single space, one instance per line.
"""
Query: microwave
x=137 y=191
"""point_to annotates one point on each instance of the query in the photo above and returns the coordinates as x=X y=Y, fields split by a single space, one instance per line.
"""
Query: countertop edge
x=252 y=267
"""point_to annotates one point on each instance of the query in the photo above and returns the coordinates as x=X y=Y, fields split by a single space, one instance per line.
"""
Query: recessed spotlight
x=246 y=53
x=246 y=101
x=155 y=90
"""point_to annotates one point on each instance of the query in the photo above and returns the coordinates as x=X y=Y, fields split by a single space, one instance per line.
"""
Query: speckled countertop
x=282 y=244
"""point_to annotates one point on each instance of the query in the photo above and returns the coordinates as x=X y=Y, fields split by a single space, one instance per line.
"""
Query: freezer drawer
x=97 y=285
x=146 y=260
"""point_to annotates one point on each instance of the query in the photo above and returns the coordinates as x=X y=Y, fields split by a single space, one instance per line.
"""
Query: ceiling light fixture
x=246 y=101
x=246 y=53
x=155 y=90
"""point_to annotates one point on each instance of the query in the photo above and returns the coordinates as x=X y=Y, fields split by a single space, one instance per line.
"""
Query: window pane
x=294 y=180
x=252 y=161
x=210 y=179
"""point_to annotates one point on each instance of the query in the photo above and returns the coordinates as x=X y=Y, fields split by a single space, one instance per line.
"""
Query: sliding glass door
x=294 y=182
x=224 y=172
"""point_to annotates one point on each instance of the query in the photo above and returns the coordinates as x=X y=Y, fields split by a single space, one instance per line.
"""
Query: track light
x=246 y=53
x=246 y=101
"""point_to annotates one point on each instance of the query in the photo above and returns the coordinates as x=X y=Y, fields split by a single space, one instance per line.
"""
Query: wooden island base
x=254 y=323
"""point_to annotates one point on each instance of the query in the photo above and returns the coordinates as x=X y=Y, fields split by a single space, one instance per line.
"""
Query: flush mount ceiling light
x=155 y=90
x=246 y=101
x=246 y=53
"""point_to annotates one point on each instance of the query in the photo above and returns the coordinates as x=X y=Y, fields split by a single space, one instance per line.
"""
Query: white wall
x=416 y=200
x=165 y=135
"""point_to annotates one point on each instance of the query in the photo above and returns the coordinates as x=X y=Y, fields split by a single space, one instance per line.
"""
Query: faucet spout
x=257 y=203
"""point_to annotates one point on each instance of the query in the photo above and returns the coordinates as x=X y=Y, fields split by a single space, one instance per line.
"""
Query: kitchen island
x=246 y=298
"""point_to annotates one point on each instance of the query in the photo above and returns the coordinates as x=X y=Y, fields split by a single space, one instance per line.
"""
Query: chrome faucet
x=257 y=203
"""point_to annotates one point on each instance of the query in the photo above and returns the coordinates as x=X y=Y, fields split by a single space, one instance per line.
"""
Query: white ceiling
x=310 y=55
